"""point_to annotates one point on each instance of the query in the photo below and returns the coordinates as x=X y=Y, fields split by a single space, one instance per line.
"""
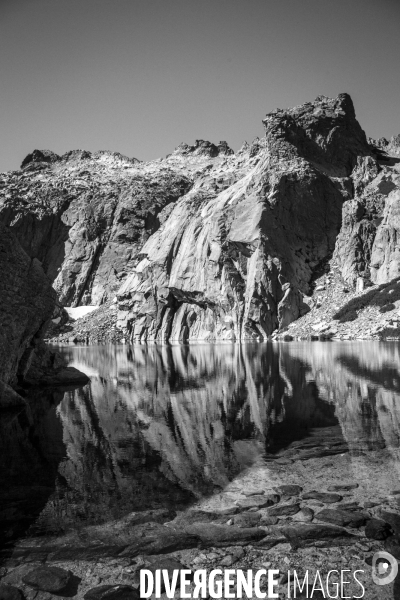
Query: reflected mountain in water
x=162 y=426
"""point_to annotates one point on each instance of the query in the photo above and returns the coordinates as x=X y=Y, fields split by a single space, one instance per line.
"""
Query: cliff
x=240 y=249
x=27 y=303
x=206 y=244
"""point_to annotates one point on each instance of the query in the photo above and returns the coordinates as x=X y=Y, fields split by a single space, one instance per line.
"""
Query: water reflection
x=162 y=426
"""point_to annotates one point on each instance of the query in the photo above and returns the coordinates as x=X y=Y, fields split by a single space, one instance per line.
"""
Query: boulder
x=10 y=592
x=48 y=579
x=377 y=529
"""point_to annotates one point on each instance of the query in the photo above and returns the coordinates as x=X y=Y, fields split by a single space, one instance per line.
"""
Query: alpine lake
x=242 y=456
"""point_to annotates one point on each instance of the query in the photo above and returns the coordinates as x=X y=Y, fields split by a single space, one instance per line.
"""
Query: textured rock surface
x=239 y=250
x=85 y=216
x=206 y=244
x=27 y=303
x=48 y=579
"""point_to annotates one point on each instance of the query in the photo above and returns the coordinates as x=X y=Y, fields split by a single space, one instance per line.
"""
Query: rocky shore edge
x=283 y=528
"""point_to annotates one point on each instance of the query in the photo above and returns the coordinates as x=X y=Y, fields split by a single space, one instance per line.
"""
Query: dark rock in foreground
x=393 y=519
x=283 y=510
x=342 y=518
x=112 y=592
x=377 y=529
x=301 y=535
x=48 y=579
x=162 y=540
x=322 y=497
x=198 y=516
x=10 y=592
x=223 y=535
x=63 y=377
x=392 y=545
x=27 y=301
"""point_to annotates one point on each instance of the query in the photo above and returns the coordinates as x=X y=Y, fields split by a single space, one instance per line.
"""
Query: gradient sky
x=141 y=76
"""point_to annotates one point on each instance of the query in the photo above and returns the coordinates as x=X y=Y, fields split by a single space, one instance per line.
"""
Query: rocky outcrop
x=366 y=246
x=206 y=244
x=86 y=216
x=27 y=303
x=234 y=263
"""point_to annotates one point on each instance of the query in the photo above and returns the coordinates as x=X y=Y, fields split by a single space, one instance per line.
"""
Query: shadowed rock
x=48 y=579
x=322 y=497
x=223 y=535
x=10 y=592
x=112 y=592
x=342 y=518
x=303 y=535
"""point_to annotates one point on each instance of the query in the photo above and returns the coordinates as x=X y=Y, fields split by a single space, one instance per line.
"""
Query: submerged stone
x=322 y=497
x=342 y=518
x=48 y=579
x=112 y=592
x=10 y=592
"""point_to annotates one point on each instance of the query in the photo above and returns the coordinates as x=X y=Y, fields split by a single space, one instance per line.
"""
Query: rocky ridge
x=210 y=245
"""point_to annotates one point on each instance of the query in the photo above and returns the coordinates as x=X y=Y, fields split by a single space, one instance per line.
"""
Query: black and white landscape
x=199 y=353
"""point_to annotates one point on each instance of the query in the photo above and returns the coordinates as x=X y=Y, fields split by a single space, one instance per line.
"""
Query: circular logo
x=384 y=568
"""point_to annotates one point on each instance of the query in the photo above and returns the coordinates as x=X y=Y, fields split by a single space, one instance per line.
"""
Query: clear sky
x=141 y=76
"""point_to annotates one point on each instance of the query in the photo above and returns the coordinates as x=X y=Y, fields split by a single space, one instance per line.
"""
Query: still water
x=176 y=425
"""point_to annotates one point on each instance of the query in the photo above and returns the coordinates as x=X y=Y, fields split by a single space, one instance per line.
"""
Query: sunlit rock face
x=238 y=251
x=204 y=244
x=366 y=246
x=86 y=215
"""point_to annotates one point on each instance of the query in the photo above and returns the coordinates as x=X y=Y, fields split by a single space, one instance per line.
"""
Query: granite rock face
x=206 y=244
x=27 y=303
x=239 y=250
x=85 y=216
x=366 y=246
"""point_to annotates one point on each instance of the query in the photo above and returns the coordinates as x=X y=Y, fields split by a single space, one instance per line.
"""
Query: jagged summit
x=324 y=131
x=204 y=148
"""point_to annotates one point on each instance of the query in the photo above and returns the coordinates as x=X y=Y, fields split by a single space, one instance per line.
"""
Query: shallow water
x=181 y=425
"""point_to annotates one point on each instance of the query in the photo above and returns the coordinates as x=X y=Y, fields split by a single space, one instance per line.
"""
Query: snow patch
x=79 y=311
